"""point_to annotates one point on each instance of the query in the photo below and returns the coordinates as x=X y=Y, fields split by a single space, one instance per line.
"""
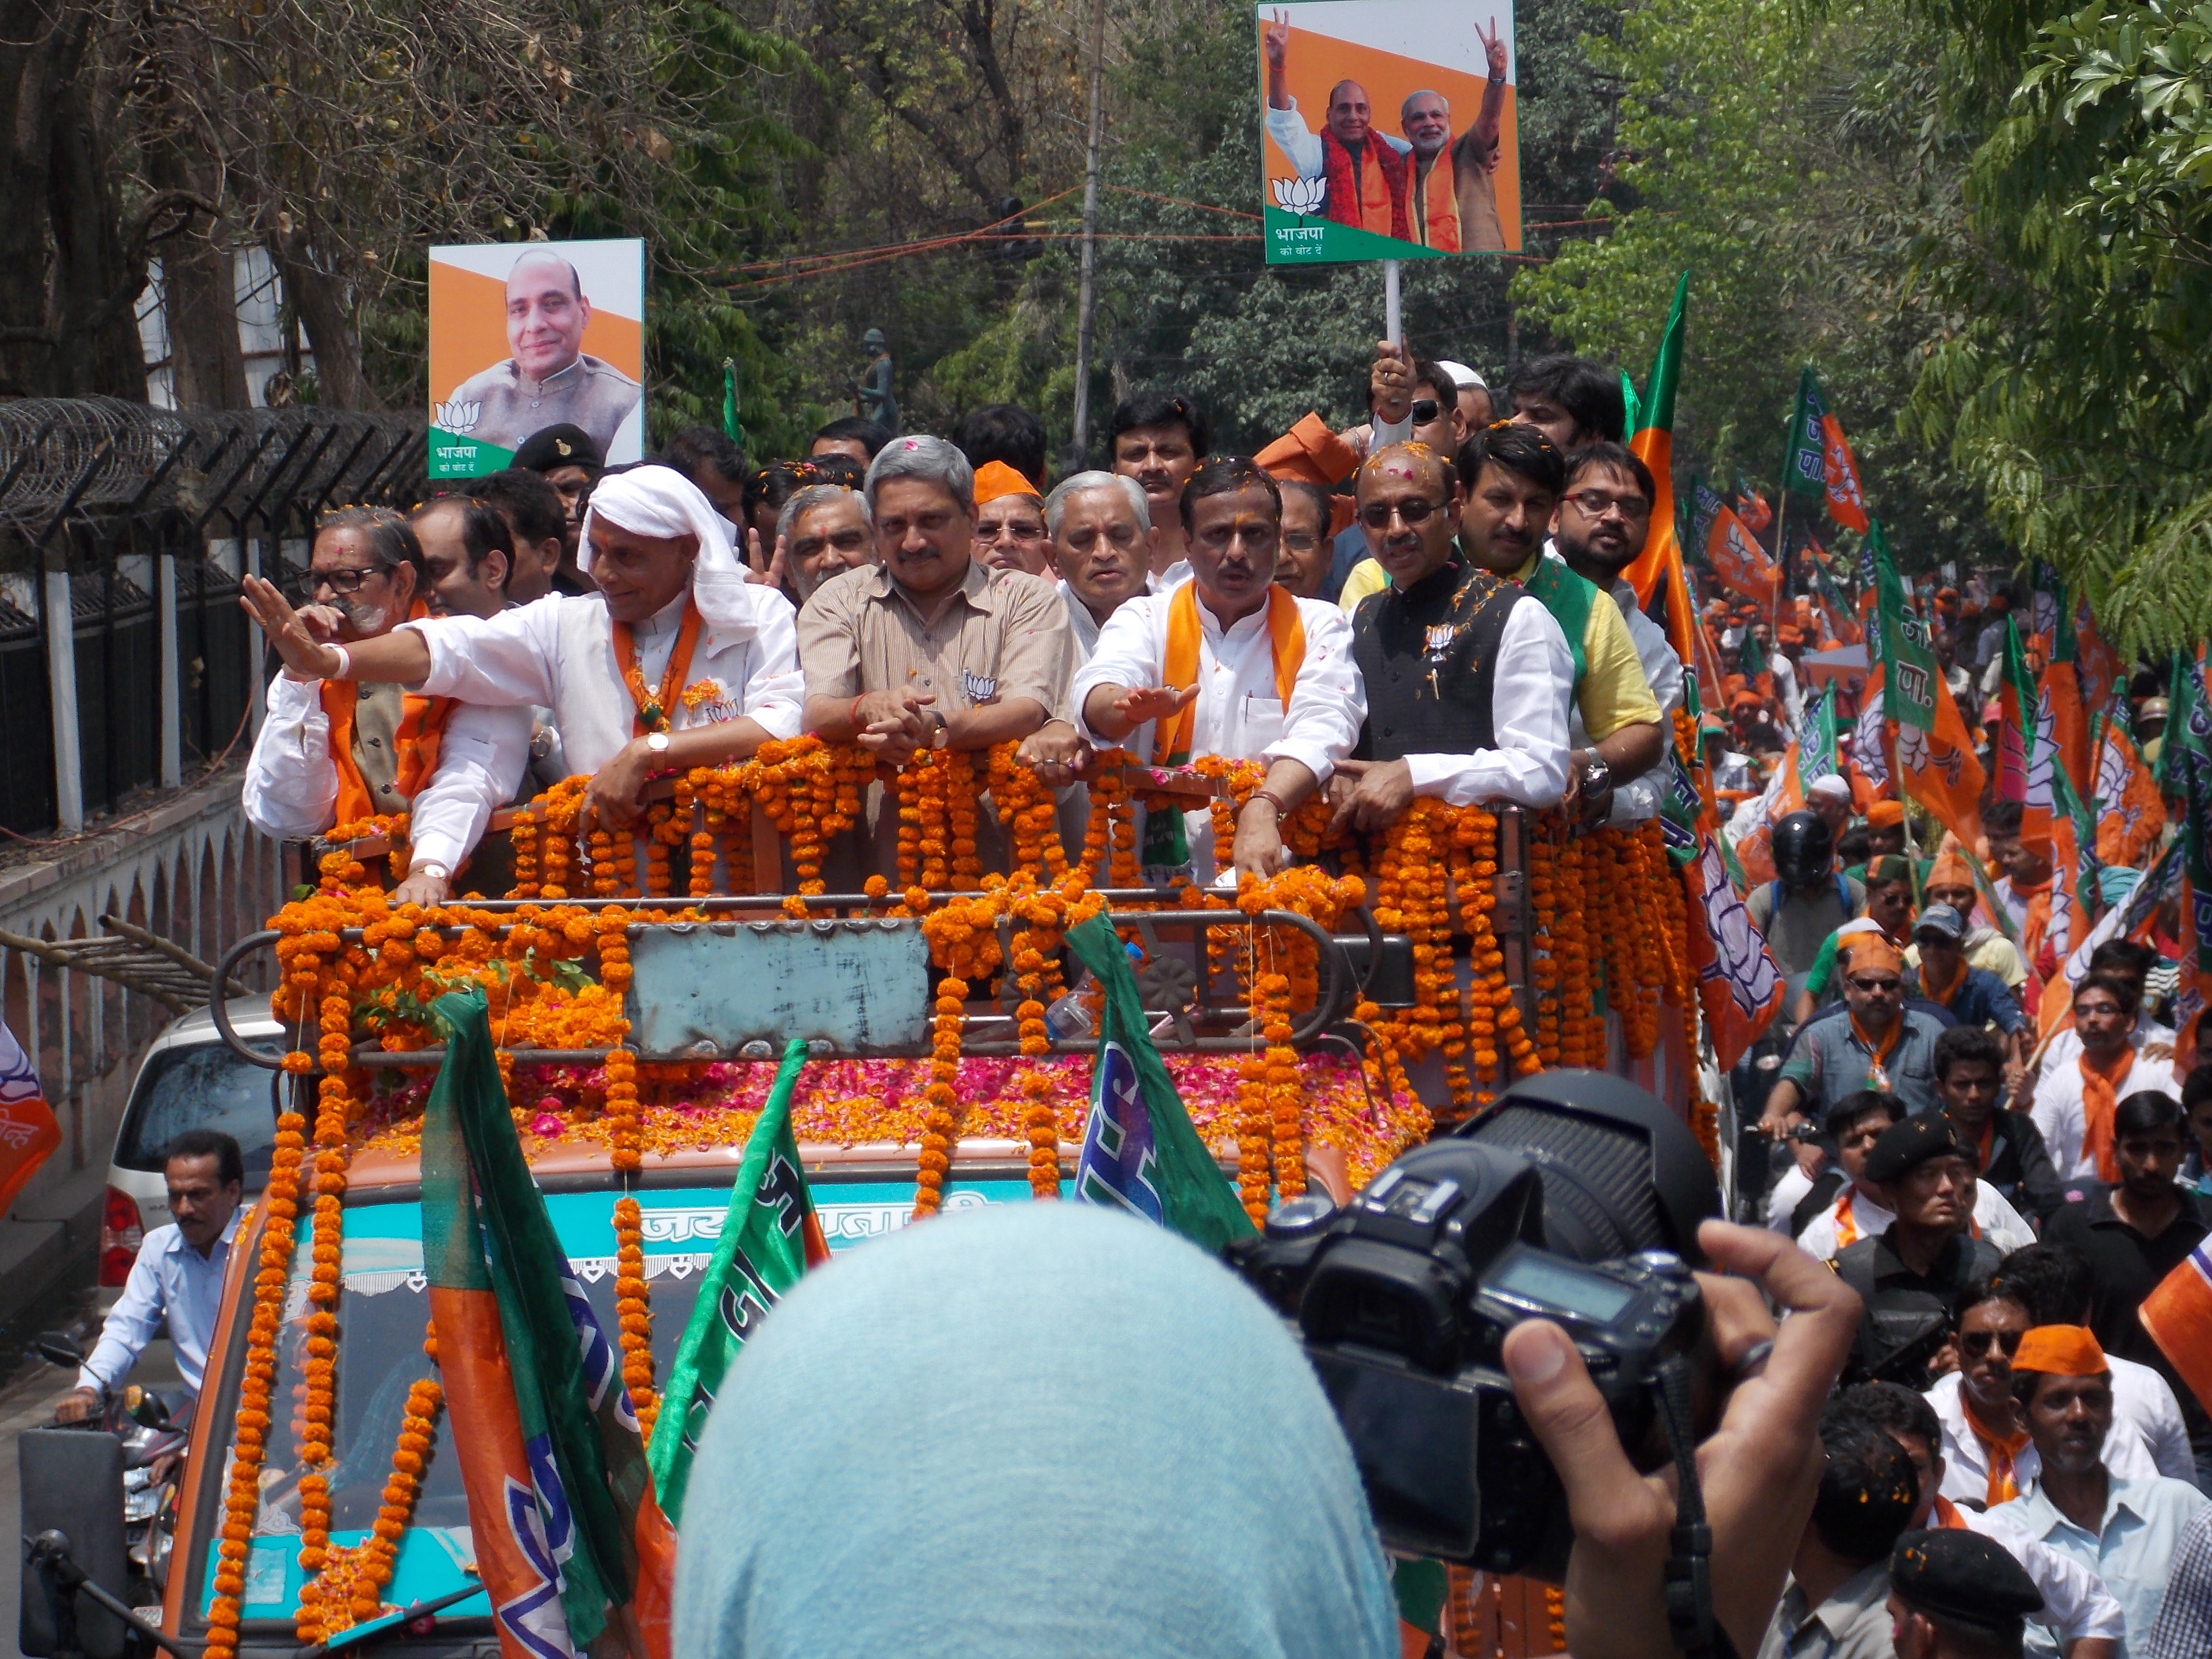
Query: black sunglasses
x=1978 y=1341
x=1425 y=410
x=1376 y=516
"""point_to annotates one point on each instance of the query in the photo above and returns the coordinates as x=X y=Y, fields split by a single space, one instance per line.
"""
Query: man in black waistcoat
x=1467 y=675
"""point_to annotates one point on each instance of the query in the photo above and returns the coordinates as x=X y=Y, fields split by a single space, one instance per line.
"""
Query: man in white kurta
x=1246 y=650
x=365 y=573
x=670 y=582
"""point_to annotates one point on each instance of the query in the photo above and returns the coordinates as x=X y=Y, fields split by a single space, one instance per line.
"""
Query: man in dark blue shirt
x=1974 y=996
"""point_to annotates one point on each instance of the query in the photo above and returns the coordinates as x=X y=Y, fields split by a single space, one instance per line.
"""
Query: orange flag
x=28 y=1133
x=2129 y=812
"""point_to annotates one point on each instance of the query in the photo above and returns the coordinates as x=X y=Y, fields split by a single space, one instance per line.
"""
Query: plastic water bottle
x=1068 y=1018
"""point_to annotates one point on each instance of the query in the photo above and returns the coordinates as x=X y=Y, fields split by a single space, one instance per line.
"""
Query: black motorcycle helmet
x=1804 y=849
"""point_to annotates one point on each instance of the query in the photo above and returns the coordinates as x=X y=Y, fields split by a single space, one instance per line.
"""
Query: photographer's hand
x=1759 y=1470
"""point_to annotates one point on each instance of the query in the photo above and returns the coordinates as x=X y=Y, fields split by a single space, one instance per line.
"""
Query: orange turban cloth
x=995 y=478
x=2061 y=1351
x=1886 y=814
x=1950 y=870
x=1311 y=452
x=1866 y=951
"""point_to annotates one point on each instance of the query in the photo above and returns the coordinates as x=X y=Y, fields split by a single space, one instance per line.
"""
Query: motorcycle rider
x=177 y=1282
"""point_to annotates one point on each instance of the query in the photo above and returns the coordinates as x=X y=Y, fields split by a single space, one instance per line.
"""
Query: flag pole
x=1393 y=312
x=1083 y=304
x=1781 y=558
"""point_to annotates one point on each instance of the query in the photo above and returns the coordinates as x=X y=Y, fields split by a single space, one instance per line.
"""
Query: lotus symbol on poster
x=1303 y=196
x=458 y=417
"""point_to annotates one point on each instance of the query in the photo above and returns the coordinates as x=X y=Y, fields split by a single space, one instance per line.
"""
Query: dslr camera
x=1577 y=1199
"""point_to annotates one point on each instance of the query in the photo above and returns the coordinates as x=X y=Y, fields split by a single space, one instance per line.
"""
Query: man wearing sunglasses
x=1882 y=1044
x=1466 y=679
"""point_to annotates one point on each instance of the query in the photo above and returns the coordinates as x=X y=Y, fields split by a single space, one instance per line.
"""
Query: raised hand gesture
x=1493 y=48
x=1275 y=38
x=289 y=633
x=770 y=574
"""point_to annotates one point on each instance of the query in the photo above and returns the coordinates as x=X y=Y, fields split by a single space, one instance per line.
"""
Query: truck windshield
x=384 y=1312
x=201 y=1085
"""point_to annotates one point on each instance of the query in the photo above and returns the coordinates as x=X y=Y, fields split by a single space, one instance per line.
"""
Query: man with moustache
x=1467 y=674
x=1598 y=530
x=1160 y=439
x=712 y=656
x=928 y=647
x=550 y=379
x=331 y=753
x=822 y=532
x=1225 y=663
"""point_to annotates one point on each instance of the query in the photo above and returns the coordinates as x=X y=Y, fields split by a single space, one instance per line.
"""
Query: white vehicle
x=188 y=1080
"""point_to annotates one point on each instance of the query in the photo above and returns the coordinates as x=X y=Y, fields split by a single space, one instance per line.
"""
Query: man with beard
x=1159 y=438
x=1467 y=678
x=672 y=611
x=1227 y=663
x=928 y=647
x=330 y=752
x=1599 y=529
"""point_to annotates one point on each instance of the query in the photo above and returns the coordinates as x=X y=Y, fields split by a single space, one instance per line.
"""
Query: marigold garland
x=349 y=1589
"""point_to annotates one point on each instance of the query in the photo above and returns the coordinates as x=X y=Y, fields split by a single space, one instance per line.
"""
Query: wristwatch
x=436 y=871
x=656 y=742
x=942 y=734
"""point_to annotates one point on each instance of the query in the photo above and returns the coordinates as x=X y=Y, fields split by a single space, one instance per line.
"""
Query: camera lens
x=1299 y=1218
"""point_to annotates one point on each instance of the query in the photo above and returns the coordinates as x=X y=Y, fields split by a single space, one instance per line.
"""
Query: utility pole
x=1084 y=302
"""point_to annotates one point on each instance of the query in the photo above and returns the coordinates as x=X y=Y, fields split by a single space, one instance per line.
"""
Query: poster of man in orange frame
x=528 y=335
x=1389 y=130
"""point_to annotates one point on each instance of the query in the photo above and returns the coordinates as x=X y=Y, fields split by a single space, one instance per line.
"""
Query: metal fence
x=124 y=532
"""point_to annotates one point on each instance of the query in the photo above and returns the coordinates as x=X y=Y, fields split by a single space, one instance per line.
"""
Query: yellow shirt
x=1613 y=692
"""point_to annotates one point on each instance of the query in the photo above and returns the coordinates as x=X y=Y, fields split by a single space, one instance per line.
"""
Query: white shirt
x=1637 y=800
x=1303 y=145
x=171 y=1285
x=560 y=652
x=1081 y=624
x=292 y=783
x=1239 y=712
x=2076 y=1603
x=1993 y=1219
x=2144 y=1401
x=1966 y=1461
x=1531 y=697
x=2058 y=1110
x=2065 y=1045
x=2130 y=1549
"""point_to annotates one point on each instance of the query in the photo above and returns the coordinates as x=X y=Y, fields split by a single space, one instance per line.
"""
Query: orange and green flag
x=1936 y=764
x=572 y=1550
x=2130 y=814
x=1657 y=571
x=1819 y=461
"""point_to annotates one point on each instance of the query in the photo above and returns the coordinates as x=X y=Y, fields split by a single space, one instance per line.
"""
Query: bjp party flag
x=29 y=1134
x=2179 y=1316
x=1737 y=559
x=1935 y=760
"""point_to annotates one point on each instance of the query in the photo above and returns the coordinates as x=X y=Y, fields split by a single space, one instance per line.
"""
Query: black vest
x=1429 y=656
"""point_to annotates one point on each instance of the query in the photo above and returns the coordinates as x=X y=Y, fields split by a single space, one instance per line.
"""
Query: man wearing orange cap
x=1951 y=881
x=1882 y=1044
x=2125 y=1531
x=1314 y=459
x=1010 y=528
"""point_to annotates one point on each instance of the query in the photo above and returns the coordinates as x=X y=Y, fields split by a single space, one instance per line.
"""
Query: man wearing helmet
x=1810 y=900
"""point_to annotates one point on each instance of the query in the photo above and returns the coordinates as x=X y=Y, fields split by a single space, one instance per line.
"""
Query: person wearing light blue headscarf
x=1032 y=1431
x=2115 y=882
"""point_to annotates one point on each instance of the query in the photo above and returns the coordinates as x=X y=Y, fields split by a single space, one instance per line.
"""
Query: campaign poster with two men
x=1389 y=129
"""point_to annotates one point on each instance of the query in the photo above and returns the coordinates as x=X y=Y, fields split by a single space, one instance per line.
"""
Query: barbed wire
x=101 y=460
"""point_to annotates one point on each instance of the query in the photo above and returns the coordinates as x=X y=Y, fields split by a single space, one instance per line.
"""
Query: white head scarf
x=659 y=500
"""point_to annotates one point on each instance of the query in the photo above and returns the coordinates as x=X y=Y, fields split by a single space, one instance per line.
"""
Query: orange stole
x=1286 y=637
x=422 y=724
x=2100 y=1099
x=1440 y=202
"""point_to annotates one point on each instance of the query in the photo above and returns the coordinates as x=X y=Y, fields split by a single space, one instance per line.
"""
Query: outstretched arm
x=399 y=657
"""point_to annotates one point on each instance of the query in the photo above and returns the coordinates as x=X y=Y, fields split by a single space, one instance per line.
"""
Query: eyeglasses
x=345 y=580
x=1597 y=503
x=1980 y=1342
x=1425 y=409
x=1376 y=515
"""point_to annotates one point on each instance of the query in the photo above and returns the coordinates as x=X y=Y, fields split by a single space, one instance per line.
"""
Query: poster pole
x=1393 y=320
x=1084 y=302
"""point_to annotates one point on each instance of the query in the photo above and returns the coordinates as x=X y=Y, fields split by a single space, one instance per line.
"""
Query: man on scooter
x=177 y=1282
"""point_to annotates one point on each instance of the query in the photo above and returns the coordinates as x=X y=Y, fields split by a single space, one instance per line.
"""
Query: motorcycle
x=152 y=1426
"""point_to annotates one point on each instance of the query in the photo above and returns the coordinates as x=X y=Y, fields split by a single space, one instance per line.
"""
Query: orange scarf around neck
x=2003 y=1484
x=2100 y=1098
x=1287 y=639
x=1877 y=1076
x=655 y=710
x=422 y=724
x=1946 y=992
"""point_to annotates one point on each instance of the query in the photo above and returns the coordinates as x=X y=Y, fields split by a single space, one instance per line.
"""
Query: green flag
x=1805 y=462
x=1751 y=660
x=2182 y=713
x=770 y=1237
x=1909 y=675
x=1817 y=756
x=731 y=429
x=485 y=1230
x=1631 y=404
x=1140 y=1152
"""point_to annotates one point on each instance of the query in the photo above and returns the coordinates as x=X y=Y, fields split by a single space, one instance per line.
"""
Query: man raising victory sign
x=676 y=661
